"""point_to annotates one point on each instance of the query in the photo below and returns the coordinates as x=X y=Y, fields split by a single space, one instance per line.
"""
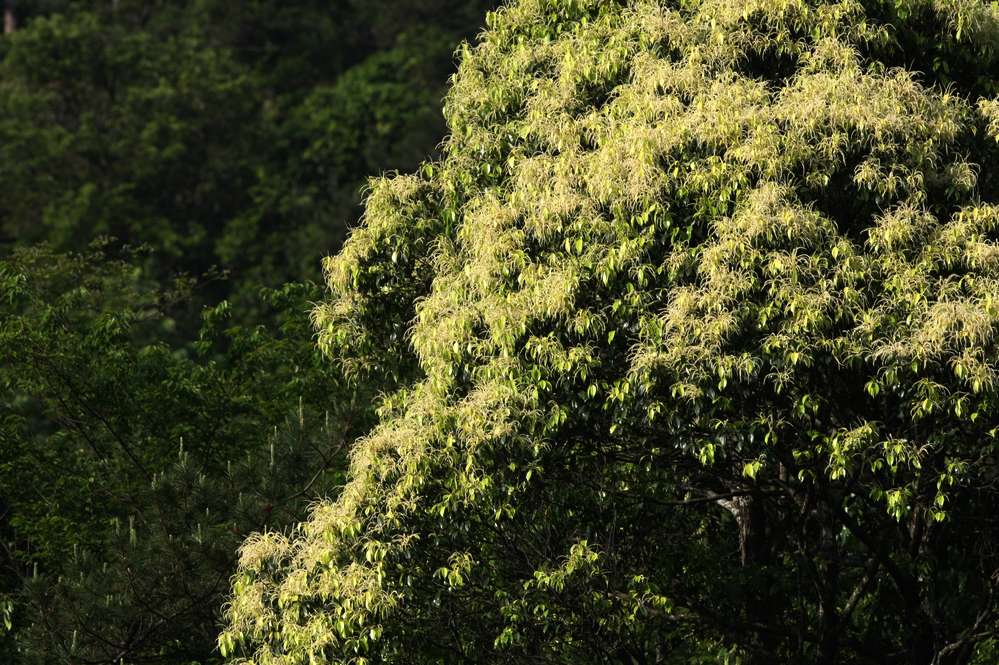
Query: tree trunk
x=755 y=550
x=9 y=18
x=829 y=617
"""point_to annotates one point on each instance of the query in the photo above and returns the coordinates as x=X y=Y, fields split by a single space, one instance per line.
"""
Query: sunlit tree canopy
x=689 y=350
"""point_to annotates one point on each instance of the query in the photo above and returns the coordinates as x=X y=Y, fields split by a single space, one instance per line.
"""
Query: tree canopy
x=132 y=468
x=691 y=333
x=232 y=136
x=172 y=172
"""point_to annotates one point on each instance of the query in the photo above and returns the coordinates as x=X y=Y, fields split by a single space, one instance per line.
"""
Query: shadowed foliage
x=171 y=174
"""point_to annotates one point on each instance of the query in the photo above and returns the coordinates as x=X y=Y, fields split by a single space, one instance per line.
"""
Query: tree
x=151 y=588
x=230 y=141
x=232 y=135
x=693 y=328
x=130 y=467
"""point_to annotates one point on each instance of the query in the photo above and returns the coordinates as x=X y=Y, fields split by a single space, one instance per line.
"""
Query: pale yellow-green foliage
x=989 y=109
x=574 y=156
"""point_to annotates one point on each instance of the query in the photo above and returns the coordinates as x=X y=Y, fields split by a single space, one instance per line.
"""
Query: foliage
x=105 y=126
x=115 y=549
x=229 y=140
x=152 y=591
x=694 y=330
x=223 y=135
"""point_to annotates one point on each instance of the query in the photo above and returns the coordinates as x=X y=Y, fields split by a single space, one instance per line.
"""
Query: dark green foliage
x=100 y=129
x=235 y=135
x=115 y=549
x=153 y=589
x=230 y=141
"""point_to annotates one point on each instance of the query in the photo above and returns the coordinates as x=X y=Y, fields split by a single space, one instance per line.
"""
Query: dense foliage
x=693 y=328
x=132 y=469
x=172 y=174
x=681 y=348
x=224 y=134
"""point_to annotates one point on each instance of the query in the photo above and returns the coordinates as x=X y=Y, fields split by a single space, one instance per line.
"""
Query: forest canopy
x=172 y=174
x=670 y=336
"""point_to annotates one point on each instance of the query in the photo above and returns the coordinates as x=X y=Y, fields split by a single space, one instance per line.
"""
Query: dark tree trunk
x=922 y=652
x=755 y=552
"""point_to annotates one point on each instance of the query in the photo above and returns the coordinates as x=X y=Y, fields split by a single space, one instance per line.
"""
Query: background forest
x=172 y=173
